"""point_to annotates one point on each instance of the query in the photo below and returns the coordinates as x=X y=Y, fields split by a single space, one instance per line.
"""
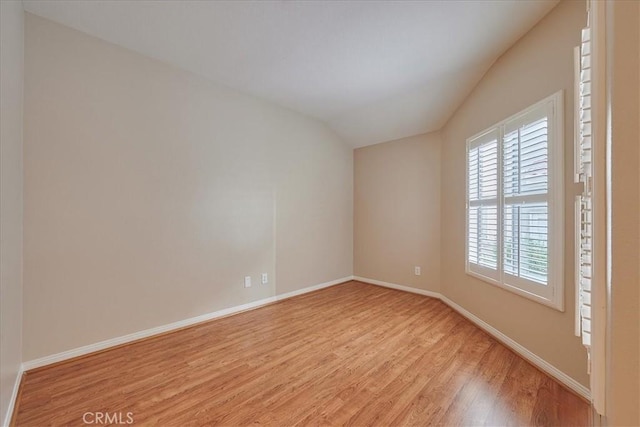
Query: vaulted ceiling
x=372 y=70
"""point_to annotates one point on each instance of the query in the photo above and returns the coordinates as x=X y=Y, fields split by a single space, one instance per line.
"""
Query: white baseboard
x=103 y=345
x=398 y=287
x=312 y=288
x=522 y=351
x=14 y=396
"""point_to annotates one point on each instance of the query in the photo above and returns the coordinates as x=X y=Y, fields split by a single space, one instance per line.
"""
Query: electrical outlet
x=265 y=278
x=416 y=270
x=247 y=281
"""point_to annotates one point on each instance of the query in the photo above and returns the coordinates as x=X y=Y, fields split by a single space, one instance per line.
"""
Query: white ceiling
x=372 y=70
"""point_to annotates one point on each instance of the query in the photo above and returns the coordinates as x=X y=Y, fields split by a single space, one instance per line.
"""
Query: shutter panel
x=511 y=237
x=534 y=158
x=472 y=243
x=482 y=208
x=473 y=213
x=584 y=200
x=488 y=170
x=525 y=218
x=526 y=249
x=474 y=184
x=488 y=234
x=488 y=215
x=534 y=226
x=526 y=159
x=483 y=236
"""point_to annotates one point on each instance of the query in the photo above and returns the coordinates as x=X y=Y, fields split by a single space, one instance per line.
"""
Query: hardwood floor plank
x=475 y=400
x=517 y=396
x=439 y=393
x=353 y=354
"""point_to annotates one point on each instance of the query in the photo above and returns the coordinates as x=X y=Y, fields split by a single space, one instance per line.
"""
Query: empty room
x=293 y=213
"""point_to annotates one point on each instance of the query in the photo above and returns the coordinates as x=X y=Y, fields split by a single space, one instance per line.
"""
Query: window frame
x=552 y=294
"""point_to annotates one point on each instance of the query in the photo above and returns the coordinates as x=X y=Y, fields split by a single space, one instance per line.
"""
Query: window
x=515 y=203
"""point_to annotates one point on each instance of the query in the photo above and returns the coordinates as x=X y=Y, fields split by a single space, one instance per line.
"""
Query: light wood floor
x=353 y=354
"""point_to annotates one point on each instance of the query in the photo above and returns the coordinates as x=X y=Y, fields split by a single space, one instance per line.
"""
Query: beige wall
x=11 y=85
x=397 y=211
x=150 y=193
x=623 y=329
x=538 y=65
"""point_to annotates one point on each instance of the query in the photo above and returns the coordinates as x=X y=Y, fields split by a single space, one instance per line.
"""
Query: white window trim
x=554 y=298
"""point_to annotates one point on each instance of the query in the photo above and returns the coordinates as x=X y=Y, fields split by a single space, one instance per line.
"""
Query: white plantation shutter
x=584 y=223
x=482 y=205
x=514 y=203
